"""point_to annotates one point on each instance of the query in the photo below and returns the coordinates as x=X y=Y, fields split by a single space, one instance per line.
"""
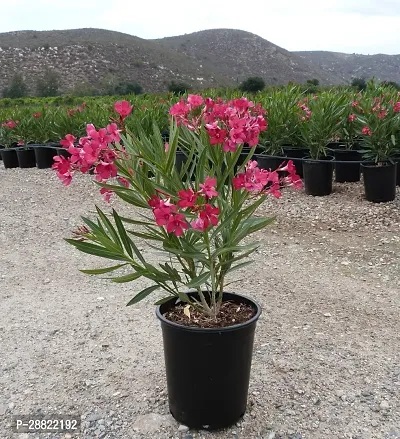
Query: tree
x=49 y=84
x=252 y=84
x=359 y=83
x=17 y=87
x=178 y=88
x=127 y=88
x=391 y=84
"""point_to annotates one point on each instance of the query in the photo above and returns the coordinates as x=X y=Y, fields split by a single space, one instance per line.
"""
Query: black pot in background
x=336 y=145
x=26 y=157
x=9 y=156
x=396 y=159
x=267 y=162
x=380 y=182
x=294 y=153
x=63 y=152
x=1 y=148
x=318 y=175
x=208 y=370
x=44 y=156
x=347 y=172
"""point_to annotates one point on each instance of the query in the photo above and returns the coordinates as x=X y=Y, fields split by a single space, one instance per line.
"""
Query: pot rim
x=370 y=164
x=328 y=158
x=210 y=330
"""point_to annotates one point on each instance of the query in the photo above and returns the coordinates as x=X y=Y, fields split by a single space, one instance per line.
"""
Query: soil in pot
x=26 y=157
x=318 y=175
x=10 y=158
x=208 y=369
x=380 y=182
x=347 y=172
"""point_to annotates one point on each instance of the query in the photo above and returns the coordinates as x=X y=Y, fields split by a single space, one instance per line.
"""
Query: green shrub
x=48 y=84
x=178 y=88
x=17 y=87
x=252 y=84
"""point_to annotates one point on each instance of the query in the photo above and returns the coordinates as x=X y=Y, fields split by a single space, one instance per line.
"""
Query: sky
x=349 y=26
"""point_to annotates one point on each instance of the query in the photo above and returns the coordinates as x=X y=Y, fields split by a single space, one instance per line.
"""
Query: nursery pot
x=208 y=370
x=44 y=156
x=294 y=153
x=268 y=162
x=347 y=172
x=9 y=156
x=180 y=161
x=318 y=176
x=26 y=157
x=397 y=161
x=1 y=148
x=63 y=152
x=379 y=182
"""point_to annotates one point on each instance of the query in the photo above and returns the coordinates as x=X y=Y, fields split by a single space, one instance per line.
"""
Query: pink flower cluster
x=92 y=152
x=352 y=117
x=79 y=109
x=367 y=131
x=10 y=124
x=306 y=111
x=228 y=124
x=190 y=202
x=254 y=179
x=396 y=107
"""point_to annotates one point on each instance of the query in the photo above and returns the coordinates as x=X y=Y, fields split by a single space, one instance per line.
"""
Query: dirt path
x=327 y=351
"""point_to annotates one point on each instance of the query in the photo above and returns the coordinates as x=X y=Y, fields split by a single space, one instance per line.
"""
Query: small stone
x=327 y=314
x=271 y=435
x=11 y=405
x=100 y=421
x=94 y=417
x=384 y=404
x=46 y=281
x=374 y=423
x=100 y=299
x=3 y=409
x=183 y=428
x=116 y=393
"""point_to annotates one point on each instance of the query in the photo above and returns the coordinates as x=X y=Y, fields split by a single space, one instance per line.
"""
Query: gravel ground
x=327 y=351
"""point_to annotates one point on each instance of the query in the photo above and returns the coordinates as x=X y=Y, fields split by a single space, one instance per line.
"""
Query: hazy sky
x=360 y=26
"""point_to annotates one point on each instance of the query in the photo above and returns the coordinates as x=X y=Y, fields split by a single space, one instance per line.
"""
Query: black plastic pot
x=397 y=161
x=268 y=162
x=44 y=156
x=26 y=157
x=347 y=172
x=9 y=156
x=1 y=148
x=299 y=153
x=380 y=182
x=63 y=152
x=208 y=370
x=318 y=175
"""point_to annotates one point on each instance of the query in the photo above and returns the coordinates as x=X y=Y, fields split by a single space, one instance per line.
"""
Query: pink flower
x=176 y=224
x=68 y=141
x=382 y=114
x=123 y=108
x=198 y=224
x=367 y=131
x=396 y=107
x=63 y=166
x=354 y=103
x=20 y=142
x=10 y=124
x=352 y=117
x=105 y=171
x=208 y=187
x=37 y=115
x=166 y=146
x=187 y=198
x=113 y=131
x=209 y=215
x=106 y=193
x=123 y=181
x=195 y=100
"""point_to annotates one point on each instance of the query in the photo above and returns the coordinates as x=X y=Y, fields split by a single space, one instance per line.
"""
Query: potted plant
x=319 y=119
x=348 y=132
x=379 y=126
x=276 y=142
x=199 y=226
x=9 y=152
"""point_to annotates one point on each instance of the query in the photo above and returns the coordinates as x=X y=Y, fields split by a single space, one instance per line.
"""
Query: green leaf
x=103 y=270
x=96 y=250
x=109 y=227
x=199 y=280
x=142 y=294
x=164 y=300
x=127 y=278
x=122 y=233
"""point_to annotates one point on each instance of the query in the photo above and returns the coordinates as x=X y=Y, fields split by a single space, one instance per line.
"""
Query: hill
x=348 y=66
x=92 y=55
x=237 y=55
